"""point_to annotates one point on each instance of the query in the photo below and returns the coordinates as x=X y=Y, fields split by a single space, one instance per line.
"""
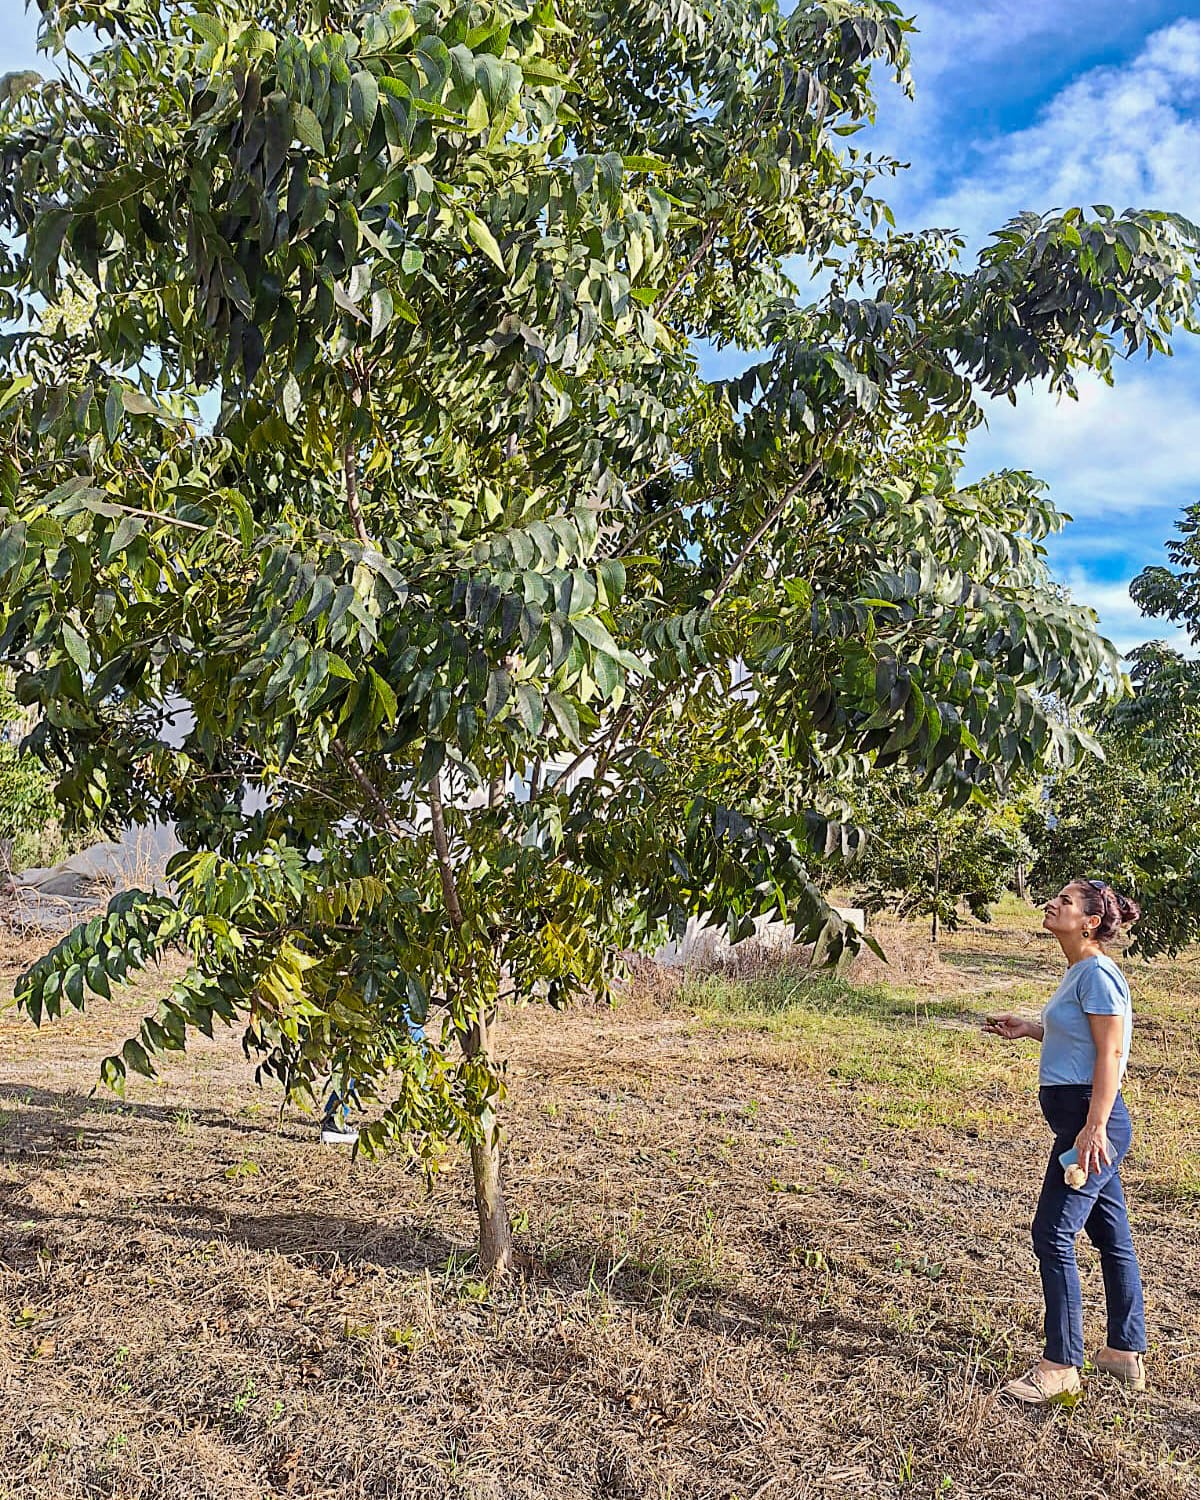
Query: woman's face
x=1065 y=916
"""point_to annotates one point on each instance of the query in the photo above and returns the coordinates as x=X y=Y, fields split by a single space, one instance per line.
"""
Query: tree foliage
x=920 y=858
x=1135 y=819
x=385 y=463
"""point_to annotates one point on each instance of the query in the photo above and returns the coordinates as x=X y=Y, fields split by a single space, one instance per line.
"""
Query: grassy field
x=777 y=1239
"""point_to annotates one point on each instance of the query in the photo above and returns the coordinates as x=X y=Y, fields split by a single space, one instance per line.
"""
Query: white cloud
x=1115 y=451
x=948 y=40
x=1129 y=136
x=1120 y=619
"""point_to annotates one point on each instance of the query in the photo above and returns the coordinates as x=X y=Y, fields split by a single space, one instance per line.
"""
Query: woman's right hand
x=1011 y=1027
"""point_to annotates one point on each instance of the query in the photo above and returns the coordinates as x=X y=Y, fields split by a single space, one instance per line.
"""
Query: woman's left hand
x=1092 y=1145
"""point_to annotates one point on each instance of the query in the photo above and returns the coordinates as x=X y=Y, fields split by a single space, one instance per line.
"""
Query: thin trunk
x=937 y=882
x=350 y=470
x=495 y=1232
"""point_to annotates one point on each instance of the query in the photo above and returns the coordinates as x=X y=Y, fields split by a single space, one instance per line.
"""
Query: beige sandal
x=1037 y=1389
x=1135 y=1379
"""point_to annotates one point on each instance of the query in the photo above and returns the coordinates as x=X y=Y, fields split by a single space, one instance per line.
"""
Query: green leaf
x=478 y=116
x=48 y=238
x=127 y=530
x=308 y=129
x=387 y=698
x=134 y=1056
x=612 y=576
x=12 y=547
x=139 y=403
x=72 y=985
x=364 y=101
x=564 y=713
x=485 y=239
x=498 y=690
x=112 y=1075
x=114 y=407
x=596 y=633
x=537 y=70
x=347 y=304
x=529 y=707
x=76 y=647
x=381 y=311
x=432 y=759
x=607 y=673
x=291 y=400
x=207 y=27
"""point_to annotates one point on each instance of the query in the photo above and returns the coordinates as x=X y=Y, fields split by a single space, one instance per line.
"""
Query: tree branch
x=771 y=518
x=610 y=733
x=350 y=470
x=693 y=261
x=370 y=790
x=352 y=501
x=442 y=845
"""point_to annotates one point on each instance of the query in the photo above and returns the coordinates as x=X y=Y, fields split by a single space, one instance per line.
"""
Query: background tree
x=1135 y=817
x=386 y=452
x=922 y=859
x=26 y=790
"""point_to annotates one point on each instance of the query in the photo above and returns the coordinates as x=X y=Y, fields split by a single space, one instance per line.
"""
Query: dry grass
x=778 y=1243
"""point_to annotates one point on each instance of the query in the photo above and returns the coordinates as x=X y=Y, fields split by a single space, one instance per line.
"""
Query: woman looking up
x=1085 y=1032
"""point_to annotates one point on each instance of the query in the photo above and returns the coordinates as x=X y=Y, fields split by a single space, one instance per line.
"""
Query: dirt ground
x=744 y=1279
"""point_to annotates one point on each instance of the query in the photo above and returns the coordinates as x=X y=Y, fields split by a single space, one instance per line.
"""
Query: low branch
x=442 y=845
x=693 y=261
x=369 y=789
x=154 y=515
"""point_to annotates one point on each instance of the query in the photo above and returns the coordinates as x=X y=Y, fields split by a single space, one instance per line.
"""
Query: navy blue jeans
x=1099 y=1208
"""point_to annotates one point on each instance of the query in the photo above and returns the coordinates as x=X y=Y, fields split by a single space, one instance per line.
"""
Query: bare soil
x=742 y=1280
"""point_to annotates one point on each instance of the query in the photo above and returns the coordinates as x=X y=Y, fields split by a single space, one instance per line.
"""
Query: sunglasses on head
x=1098 y=885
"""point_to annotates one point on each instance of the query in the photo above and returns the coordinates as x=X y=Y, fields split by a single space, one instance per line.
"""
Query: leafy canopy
x=1136 y=818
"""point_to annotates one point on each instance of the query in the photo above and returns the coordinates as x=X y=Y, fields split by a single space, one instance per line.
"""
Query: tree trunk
x=937 y=883
x=1021 y=879
x=495 y=1231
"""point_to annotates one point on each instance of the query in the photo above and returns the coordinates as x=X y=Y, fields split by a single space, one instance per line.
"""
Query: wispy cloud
x=1120 y=619
x=1116 y=452
x=1125 y=135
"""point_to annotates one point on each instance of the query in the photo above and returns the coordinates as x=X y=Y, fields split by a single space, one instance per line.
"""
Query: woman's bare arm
x=1108 y=1033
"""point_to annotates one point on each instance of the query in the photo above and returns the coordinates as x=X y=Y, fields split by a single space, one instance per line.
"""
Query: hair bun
x=1114 y=910
x=1130 y=911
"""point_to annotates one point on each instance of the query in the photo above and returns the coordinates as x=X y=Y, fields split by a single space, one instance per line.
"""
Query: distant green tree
x=26 y=788
x=921 y=858
x=1134 y=818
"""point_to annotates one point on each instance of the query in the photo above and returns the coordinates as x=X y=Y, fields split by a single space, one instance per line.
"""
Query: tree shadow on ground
x=316 y=1238
x=34 y=1121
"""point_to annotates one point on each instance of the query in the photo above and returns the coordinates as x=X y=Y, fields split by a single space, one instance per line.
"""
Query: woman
x=1085 y=1032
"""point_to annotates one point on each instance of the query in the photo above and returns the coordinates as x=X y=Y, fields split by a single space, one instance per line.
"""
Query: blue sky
x=1040 y=104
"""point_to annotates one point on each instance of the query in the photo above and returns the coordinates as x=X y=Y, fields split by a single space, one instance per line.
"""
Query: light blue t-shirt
x=1092 y=987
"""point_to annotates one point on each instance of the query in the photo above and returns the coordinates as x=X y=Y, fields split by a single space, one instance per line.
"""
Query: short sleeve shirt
x=1092 y=987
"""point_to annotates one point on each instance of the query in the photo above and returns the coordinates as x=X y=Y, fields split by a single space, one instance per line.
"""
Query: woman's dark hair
x=1113 y=909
